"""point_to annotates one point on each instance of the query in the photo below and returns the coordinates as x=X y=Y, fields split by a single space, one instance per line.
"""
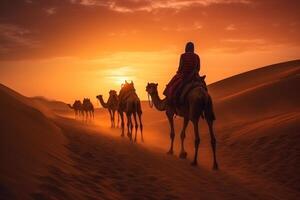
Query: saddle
x=195 y=82
x=123 y=98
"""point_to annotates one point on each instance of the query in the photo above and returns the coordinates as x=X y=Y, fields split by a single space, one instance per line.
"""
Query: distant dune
x=45 y=154
x=50 y=104
x=253 y=78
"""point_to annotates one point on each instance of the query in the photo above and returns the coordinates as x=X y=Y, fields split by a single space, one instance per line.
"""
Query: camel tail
x=209 y=111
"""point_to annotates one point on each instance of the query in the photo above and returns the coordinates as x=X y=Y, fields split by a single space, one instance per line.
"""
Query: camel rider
x=189 y=67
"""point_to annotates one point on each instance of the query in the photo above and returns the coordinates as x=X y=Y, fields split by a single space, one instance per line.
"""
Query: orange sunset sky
x=70 y=49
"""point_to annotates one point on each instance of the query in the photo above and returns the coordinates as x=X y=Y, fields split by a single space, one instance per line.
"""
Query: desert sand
x=47 y=154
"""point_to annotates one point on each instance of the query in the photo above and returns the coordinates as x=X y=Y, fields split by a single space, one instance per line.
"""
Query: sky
x=70 y=49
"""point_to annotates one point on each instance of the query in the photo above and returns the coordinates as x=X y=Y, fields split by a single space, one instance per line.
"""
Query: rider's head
x=189 y=47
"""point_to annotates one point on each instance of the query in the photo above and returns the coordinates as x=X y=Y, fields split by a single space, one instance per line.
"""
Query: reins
x=150 y=101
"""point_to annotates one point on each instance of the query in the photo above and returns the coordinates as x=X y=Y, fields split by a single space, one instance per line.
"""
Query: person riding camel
x=189 y=67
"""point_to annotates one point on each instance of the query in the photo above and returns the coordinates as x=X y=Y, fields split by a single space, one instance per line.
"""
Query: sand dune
x=49 y=106
x=253 y=78
x=29 y=144
x=272 y=96
x=46 y=154
x=258 y=124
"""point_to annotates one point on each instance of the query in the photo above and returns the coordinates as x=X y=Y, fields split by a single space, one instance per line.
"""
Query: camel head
x=86 y=100
x=99 y=96
x=77 y=104
x=202 y=78
x=112 y=93
x=151 y=88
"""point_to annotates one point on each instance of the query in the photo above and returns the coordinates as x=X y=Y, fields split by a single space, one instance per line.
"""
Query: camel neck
x=104 y=105
x=158 y=103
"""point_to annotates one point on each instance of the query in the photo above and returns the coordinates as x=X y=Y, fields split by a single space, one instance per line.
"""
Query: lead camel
x=197 y=102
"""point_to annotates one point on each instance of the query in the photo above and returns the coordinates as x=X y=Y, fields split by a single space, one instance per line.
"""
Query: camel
x=112 y=105
x=77 y=107
x=130 y=103
x=88 y=108
x=197 y=103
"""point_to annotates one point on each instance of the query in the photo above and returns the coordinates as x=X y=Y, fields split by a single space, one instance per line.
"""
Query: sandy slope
x=47 y=155
x=29 y=143
x=264 y=118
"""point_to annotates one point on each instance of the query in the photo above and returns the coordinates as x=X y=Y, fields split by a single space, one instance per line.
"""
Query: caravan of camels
x=196 y=103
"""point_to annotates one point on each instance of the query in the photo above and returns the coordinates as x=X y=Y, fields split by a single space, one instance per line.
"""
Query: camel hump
x=190 y=86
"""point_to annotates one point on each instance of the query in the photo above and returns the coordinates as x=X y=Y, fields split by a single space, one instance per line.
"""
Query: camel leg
x=197 y=141
x=136 y=125
x=118 y=119
x=131 y=128
x=122 y=123
x=113 y=118
x=129 y=124
x=110 y=115
x=141 y=125
x=172 y=132
x=183 y=153
x=213 y=143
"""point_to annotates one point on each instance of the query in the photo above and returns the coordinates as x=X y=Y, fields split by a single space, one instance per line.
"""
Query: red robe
x=189 y=64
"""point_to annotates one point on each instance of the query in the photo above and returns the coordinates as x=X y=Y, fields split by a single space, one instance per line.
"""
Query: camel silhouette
x=197 y=102
x=112 y=105
x=88 y=108
x=77 y=107
x=130 y=103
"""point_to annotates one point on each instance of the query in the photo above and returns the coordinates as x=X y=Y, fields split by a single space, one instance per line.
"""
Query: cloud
x=245 y=41
x=241 y=45
x=184 y=28
x=230 y=27
x=148 y=5
x=51 y=11
x=13 y=37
